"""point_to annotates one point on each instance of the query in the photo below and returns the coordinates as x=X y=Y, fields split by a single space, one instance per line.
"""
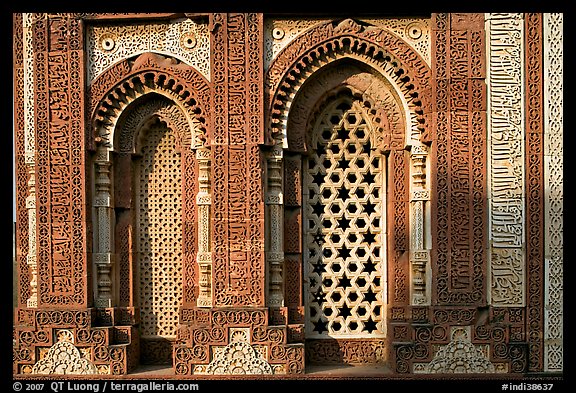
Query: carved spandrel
x=185 y=40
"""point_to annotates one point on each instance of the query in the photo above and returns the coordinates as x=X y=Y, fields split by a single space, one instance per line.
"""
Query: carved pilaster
x=103 y=257
x=275 y=254
x=204 y=256
x=419 y=256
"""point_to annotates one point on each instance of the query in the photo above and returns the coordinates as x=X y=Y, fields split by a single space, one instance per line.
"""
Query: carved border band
x=506 y=152
x=554 y=194
x=459 y=110
x=60 y=162
x=238 y=201
x=534 y=167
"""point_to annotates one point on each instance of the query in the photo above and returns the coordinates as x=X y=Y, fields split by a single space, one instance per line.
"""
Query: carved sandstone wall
x=234 y=193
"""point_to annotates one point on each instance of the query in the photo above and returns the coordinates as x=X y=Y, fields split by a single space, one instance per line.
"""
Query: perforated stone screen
x=343 y=223
x=159 y=233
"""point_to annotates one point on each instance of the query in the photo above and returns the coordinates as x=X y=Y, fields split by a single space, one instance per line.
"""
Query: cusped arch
x=124 y=103
x=124 y=84
x=389 y=80
x=139 y=114
x=329 y=42
x=384 y=107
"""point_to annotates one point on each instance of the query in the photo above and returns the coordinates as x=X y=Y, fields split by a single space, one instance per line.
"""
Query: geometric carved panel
x=159 y=232
x=343 y=227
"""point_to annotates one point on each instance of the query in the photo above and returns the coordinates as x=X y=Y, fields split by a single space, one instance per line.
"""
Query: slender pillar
x=204 y=256
x=419 y=256
x=104 y=257
x=275 y=254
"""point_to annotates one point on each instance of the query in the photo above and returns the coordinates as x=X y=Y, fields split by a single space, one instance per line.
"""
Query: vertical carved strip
x=254 y=33
x=440 y=154
x=191 y=226
x=31 y=258
x=292 y=233
x=60 y=177
x=42 y=163
x=238 y=223
x=30 y=151
x=24 y=160
x=398 y=217
x=255 y=55
x=459 y=114
x=505 y=135
x=534 y=188
x=123 y=244
x=479 y=203
x=553 y=194
x=219 y=152
x=275 y=255
x=204 y=256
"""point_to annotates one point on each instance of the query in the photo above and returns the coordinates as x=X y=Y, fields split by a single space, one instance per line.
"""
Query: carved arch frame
x=379 y=58
x=129 y=97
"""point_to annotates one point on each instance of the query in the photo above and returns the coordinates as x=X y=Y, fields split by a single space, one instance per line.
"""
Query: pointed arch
x=126 y=81
x=144 y=97
x=389 y=82
x=328 y=42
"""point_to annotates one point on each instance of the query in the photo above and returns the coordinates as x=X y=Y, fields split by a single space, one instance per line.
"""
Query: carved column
x=275 y=254
x=419 y=255
x=104 y=257
x=204 y=256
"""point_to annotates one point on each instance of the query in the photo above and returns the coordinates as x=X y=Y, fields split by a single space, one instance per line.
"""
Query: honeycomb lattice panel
x=343 y=220
x=159 y=233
